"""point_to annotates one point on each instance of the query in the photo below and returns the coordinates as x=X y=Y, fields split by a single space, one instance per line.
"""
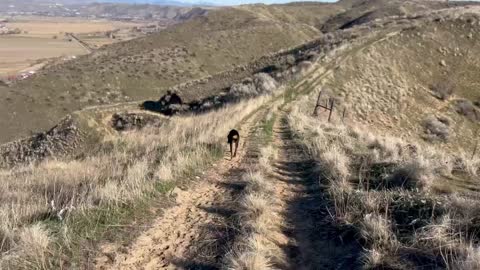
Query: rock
x=130 y=121
x=443 y=63
x=60 y=140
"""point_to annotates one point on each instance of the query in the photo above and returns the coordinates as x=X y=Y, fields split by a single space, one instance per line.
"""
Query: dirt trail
x=315 y=242
x=197 y=232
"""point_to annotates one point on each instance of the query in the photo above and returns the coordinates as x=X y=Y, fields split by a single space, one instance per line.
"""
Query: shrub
x=443 y=90
x=260 y=84
x=467 y=109
x=437 y=127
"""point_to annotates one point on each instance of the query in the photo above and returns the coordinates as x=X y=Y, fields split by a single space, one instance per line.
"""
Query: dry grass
x=131 y=167
x=373 y=179
x=145 y=68
x=259 y=222
x=436 y=128
x=383 y=92
x=443 y=89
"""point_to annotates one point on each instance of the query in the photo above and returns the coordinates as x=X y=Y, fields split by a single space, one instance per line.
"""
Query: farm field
x=46 y=27
x=20 y=52
x=42 y=38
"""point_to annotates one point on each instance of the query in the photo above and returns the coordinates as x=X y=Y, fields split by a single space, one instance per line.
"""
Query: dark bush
x=443 y=90
x=467 y=109
x=436 y=127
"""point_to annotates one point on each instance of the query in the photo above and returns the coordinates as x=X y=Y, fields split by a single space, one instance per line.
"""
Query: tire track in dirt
x=315 y=241
x=197 y=232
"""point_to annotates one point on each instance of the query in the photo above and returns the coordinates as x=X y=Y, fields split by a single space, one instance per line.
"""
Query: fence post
x=315 y=111
x=332 y=102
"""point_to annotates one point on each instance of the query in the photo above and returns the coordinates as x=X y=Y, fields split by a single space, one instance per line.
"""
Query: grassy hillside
x=424 y=72
x=393 y=185
x=358 y=12
x=145 y=67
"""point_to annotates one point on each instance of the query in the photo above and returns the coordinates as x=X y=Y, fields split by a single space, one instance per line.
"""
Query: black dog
x=233 y=137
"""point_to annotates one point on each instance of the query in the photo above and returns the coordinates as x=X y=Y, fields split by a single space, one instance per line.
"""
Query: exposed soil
x=199 y=230
x=196 y=232
x=315 y=241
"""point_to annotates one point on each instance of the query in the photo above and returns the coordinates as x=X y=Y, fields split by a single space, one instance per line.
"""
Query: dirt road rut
x=315 y=242
x=197 y=231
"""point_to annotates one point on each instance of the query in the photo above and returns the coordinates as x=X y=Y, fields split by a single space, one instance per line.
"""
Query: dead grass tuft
x=385 y=187
x=129 y=168
x=436 y=128
x=443 y=90
x=31 y=250
x=259 y=223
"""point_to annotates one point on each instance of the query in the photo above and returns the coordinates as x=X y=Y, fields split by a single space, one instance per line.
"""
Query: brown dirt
x=315 y=242
x=197 y=232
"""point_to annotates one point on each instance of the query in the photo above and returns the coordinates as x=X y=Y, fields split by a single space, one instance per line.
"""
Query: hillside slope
x=387 y=180
x=145 y=67
x=419 y=76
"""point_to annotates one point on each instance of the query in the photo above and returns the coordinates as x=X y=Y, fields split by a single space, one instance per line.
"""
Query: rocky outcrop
x=60 y=140
x=169 y=104
x=258 y=85
x=134 y=121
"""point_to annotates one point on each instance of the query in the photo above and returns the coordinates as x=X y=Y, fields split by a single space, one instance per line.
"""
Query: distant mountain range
x=20 y=3
x=198 y=2
x=162 y=2
x=182 y=3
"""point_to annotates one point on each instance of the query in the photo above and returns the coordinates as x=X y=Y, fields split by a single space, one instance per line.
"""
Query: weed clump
x=467 y=109
x=436 y=128
x=443 y=90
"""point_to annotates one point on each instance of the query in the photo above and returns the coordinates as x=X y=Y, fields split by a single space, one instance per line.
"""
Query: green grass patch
x=289 y=95
x=268 y=127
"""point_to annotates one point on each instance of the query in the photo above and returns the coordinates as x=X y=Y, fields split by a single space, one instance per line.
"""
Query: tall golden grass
x=347 y=155
x=259 y=221
x=130 y=167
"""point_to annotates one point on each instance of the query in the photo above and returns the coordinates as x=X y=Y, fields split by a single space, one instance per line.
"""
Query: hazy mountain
x=161 y=2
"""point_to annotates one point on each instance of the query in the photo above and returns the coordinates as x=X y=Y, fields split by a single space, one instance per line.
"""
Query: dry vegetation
x=259 y=221
x=390 y=191
x=410 y=203
x=385 y=91
x=144 y=68
x=67 y=202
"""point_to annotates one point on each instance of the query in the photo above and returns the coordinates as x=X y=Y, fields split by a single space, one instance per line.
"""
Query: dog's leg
x=231 y=151
x=236 y=147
